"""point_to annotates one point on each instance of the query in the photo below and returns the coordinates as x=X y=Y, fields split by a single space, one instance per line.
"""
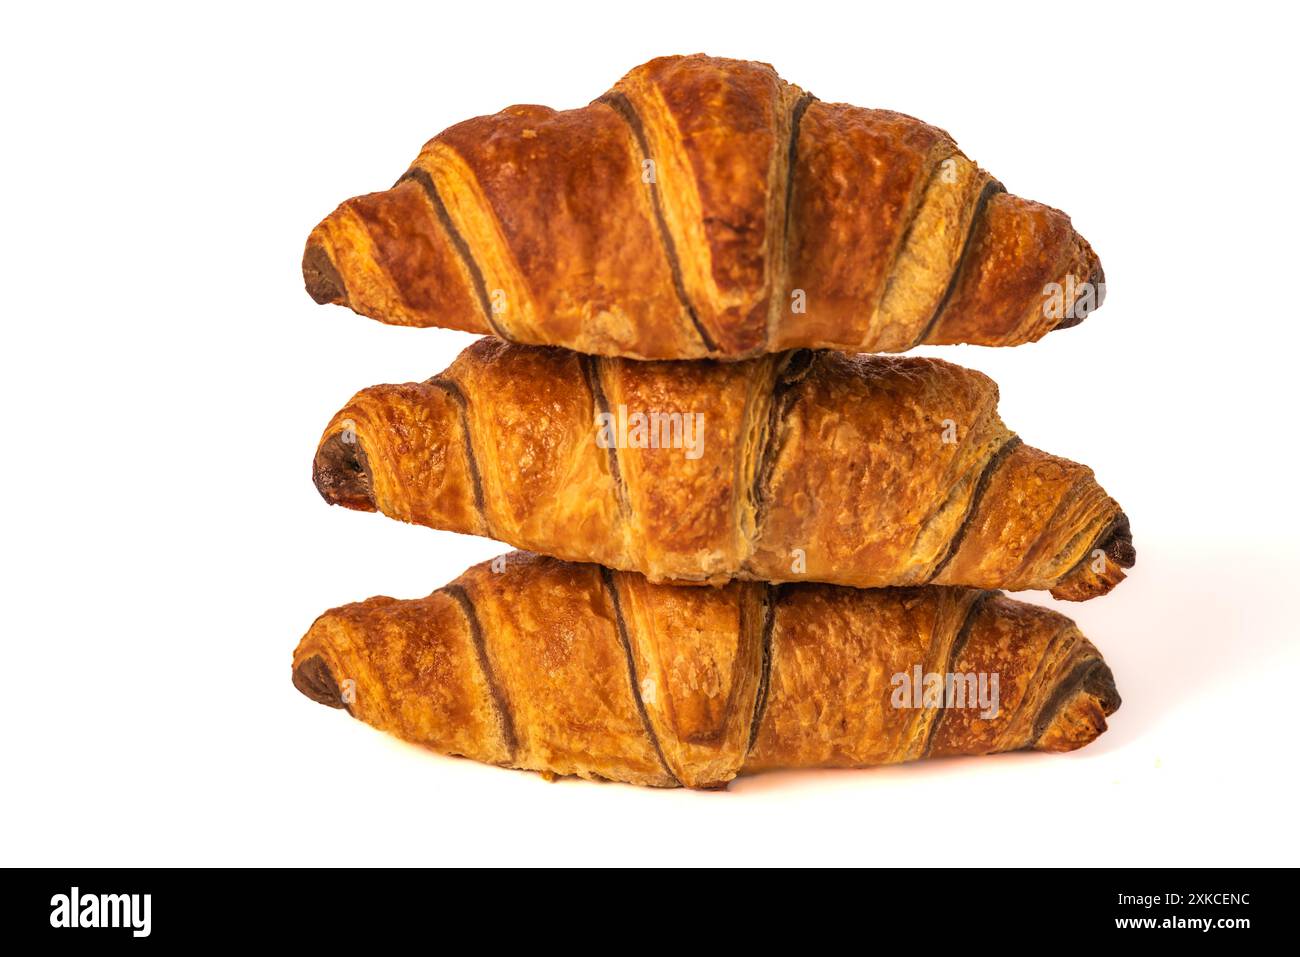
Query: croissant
x=705 y=208
x=857 y=470
x=529 y=662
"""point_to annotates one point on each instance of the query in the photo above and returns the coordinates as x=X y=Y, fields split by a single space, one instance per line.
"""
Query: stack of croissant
x=742 y=528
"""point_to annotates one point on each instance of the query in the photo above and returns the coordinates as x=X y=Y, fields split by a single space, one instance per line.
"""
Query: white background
x=166 y=378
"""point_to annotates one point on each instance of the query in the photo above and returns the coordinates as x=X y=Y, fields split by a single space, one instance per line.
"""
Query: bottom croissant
x=530 y=662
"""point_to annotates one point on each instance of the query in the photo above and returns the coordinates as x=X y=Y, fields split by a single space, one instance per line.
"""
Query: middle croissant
x=861 y=470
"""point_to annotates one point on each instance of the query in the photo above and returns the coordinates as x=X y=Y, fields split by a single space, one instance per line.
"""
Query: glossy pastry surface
x=567 y=669
x=705 y=208
x=870 y=471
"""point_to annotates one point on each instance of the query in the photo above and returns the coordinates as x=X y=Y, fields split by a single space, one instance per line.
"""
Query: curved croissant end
x=341 y=472
x=324 y=284
x=1102 y=567
x=705 y=208
x=1076 y=716
x=315 y=680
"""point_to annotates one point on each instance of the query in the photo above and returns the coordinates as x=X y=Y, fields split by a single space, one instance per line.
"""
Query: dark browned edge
x=795 y=368
x=991 y=189
x=462 y=403
x=341 y=473
x=958 y=643
x=981 y=486
x=792 y=157
x=792 y=151
x=321 y=276
x=315 y=680
x=600 y=402
x=771 y=599
x=611 y=588
x=497 y=693
x=1096 y=278
x=621 y=105
x=1116 y=540
x=460 y=245
x=1092 y=675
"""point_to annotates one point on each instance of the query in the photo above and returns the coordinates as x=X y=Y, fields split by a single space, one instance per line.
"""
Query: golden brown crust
x=702 y=208
x=859 y=470
x=533 y=663
x=847 y=232
x=1016 y=251
x=408 y=665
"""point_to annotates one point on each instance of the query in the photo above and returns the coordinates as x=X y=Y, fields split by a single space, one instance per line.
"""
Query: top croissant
x=705 y=208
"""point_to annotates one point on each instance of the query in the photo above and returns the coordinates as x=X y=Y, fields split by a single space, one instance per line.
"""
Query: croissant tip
x=324 y=284
x=1085 y=580
x=341 y=472
x=1118 y=545
x=1100 y=683
x=1097 y=281
x=314 y=679
x=1076 y=715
